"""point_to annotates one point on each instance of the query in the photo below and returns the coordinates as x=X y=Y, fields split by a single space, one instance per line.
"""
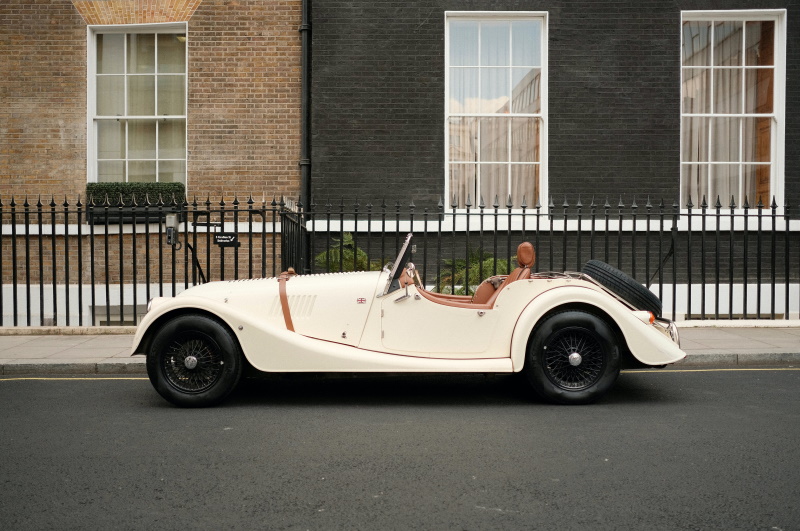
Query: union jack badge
x=361 y=300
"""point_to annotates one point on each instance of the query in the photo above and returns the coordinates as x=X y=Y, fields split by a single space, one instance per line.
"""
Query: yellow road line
x=3 y=379
x=710 y=370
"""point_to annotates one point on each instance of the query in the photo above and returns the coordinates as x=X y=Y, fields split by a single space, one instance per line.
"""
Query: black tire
x=194 y=361
x=626 y=287
x=593 y=368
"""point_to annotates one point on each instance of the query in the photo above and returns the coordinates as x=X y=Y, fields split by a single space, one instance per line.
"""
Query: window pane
x=760 y=43
x=696 y=51
x=494 y=183
x=694 y=139
x=142 y=171
x=526 y=96
x=494 y=90
x=141 y=54
x=142 y=139
x=725 y=139
x=526 y=47
x=728 y=91
x=724 y=183
x=728 y=43
x=464 y=139
x=172 y=139
x=110 y=139
x=110 y=53
x=141 y=96
x=110 y=95
x=494 y=139
x=464 y=43
x=462 y=183
x=108 y=172
x=172 y=53
x=525 y=140
x=757 y=180
x=464 y=90
x=694 y=183
x=170 y=95
x=524 y=184
x=696 y=97
x=757 y=140
x=495 y=43
x=759 y=90
x=172 y=171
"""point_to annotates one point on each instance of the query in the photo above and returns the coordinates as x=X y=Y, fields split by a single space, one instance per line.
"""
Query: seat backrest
x=526 y=257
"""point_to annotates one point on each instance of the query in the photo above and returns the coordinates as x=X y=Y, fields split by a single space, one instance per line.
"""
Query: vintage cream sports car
x=568 y=333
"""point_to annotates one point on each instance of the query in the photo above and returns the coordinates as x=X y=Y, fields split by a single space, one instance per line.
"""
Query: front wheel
x=573 y=358
x=194 y=361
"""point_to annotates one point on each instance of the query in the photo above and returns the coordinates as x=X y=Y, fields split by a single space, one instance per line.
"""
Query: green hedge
x=97 y=192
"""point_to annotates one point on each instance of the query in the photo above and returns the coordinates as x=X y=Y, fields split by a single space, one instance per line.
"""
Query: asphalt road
x=665 y=450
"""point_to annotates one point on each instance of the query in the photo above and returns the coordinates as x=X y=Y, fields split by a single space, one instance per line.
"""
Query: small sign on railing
x=227 y=239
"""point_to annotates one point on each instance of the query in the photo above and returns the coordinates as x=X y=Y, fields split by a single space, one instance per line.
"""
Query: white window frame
x=542 y=115
x=91 y=87
x=778 y=130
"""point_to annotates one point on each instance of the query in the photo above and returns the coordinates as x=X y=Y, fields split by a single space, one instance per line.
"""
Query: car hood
x=329 y=306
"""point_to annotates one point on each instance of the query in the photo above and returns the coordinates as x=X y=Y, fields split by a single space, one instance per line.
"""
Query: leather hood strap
x=287 y=316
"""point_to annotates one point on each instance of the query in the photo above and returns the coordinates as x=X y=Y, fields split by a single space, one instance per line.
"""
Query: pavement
x=106 y=350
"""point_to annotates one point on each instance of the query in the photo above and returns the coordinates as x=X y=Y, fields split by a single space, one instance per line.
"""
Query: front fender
x=164 y=307
x=644 y=341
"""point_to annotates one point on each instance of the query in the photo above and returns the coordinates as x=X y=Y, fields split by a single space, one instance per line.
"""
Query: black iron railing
x=79 y=264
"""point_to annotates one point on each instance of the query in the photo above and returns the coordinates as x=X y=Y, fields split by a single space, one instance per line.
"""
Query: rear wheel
x=194 y=361
x=572 y=358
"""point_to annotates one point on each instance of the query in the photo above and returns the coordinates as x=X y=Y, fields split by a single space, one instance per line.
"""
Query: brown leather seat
x=526 y=257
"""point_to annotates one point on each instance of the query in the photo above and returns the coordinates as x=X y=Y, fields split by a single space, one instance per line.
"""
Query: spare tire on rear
x=624 y=286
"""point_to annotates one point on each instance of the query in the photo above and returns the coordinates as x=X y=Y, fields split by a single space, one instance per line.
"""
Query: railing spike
x=579 y=204
x=509 y=203
x=524 y=204
x=481 y=204
x=760 y=204
x=621 y=204
x=704 y=203
x=733 y=203
x=718 y=204
x=746 y=202
x=496 y=203
x=551 y=205
x=774 y=204
x=648 y=205
x=468 y=204
x=634 y=205
x=566 y=203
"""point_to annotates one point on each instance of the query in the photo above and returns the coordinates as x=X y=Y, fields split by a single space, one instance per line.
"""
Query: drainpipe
x=305 y=106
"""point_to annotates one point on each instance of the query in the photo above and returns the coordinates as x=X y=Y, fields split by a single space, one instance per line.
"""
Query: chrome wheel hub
x=575 y=359
x=190 y=362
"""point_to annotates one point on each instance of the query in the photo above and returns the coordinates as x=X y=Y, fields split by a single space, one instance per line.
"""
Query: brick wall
x=42 y=98
x=243 y=104
x=244 y=98
x=614 y=101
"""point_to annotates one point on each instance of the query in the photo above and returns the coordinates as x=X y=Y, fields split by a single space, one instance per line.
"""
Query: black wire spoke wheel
x=193 y=362
x=574 y=359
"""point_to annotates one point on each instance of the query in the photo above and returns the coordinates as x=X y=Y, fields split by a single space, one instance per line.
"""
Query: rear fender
x=647 y=344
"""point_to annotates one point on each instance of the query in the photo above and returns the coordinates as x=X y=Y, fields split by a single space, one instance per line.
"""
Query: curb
x=104 y=367
x=67 y=330
x=138 y=367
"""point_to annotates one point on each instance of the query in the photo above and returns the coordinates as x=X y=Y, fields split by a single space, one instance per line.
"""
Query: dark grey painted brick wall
x=614 y=71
